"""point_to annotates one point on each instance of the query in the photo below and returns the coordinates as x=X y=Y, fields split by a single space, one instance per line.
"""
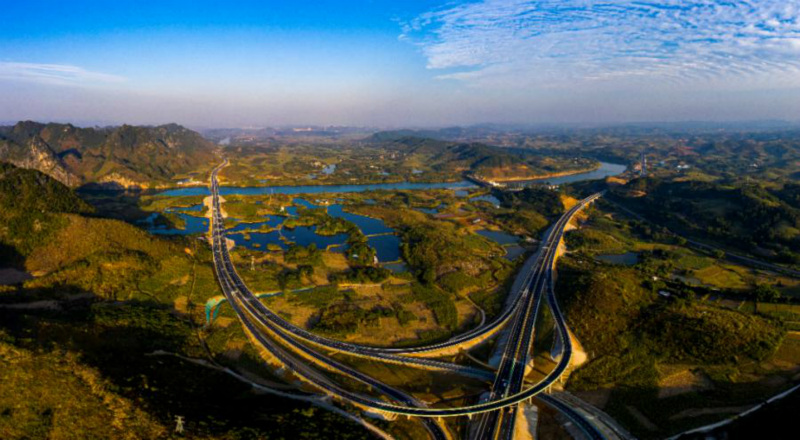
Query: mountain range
x=112 y=157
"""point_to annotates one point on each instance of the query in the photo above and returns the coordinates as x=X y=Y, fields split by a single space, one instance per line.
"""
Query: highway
x=243 y=308
x=510 y=376
x=277 y=337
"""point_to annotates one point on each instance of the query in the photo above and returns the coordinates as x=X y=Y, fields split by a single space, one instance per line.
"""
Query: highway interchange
x=301 y=352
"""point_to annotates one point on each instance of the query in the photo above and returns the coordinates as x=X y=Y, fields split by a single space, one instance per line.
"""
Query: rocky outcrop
x=37 y=155
x=117 y=157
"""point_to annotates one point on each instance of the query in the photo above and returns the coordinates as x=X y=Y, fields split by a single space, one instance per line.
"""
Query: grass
x=55 y=395
x=634 y=338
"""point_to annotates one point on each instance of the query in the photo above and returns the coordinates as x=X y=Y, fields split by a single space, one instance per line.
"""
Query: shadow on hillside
x=9 y=257
x=121 y=205
x=115 y=338
x=647 y=415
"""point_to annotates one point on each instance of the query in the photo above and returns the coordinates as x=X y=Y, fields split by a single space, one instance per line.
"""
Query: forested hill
x=486 y=160
x=125 y=156
x=747 y=216
x=25 y=191
x=30 y=202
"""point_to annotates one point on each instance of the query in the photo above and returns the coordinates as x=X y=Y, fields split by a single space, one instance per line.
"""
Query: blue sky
x=399 y=63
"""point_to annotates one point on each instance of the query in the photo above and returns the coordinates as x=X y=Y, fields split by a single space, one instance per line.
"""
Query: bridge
x=304 y=354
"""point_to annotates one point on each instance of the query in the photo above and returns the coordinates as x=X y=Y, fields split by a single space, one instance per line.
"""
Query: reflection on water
x=313 y=189
x=301 y=235
x=368 y=225
x=194 y=225
x=513 y=252
x=499 y=237
x=509 y=242
x=386 y=245
x=396 y=267
x=605 y=170
x=194 y=208
x=488 y=198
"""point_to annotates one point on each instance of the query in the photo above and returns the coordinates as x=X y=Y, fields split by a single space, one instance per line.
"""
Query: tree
x=766 y=293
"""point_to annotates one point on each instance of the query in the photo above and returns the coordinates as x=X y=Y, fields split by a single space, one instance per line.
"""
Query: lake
x=194 y=225
x=380 y=236
x=509 y=242
x=301 y=235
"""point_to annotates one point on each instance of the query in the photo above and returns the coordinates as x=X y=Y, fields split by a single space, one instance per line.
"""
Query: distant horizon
x=687 y=124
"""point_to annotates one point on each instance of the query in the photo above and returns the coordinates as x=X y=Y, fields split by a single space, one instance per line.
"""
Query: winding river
x=606 y=169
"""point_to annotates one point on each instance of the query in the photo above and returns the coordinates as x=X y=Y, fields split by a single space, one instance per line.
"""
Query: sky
x=408 y=63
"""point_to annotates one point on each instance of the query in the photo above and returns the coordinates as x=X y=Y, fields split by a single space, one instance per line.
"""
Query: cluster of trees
x=738 y=215
x=306 y=255
x=439 y=302
x=347 y=318
x=293 y=278
x=539 y=199
x=436 y=248
x=630 y=330
x=32 y=207
x=358 y=251
x=361 y=274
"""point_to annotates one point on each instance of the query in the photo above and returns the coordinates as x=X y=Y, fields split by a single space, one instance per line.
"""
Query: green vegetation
x=89 y=373
x=747 y=217
x=540 y=200
x=634 y=336
x=86 y=367
x=307 y=255
x=32 y=204
x=162 y=203
x=346 y=318
x=434 y=249
x=383 y=157
x=361 y=274
x=439 y=302
x=697 y=333
x=116 y=157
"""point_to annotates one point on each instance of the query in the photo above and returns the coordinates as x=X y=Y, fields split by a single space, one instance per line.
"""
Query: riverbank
x=548 y=176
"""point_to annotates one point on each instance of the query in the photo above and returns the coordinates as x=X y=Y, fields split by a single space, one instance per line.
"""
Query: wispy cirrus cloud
x=59 y=74
x=571 y=42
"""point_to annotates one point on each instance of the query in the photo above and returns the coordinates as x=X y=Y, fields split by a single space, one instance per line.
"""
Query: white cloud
x=60 y=74
x=567 y=43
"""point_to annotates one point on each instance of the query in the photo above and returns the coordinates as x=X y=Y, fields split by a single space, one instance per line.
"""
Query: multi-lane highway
x=510 y=376
x=292 y=346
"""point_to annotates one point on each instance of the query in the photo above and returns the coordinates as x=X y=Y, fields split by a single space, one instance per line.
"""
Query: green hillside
x=753 y=218
x=479 y=158
x=77 y=345
x=120 y=156
x=32 y=204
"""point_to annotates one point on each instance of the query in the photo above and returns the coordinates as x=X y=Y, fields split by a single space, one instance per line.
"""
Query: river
x=606 y=169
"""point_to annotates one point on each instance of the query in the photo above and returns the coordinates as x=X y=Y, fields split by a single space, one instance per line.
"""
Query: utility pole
x=179 y=424
x=644 y=164
x=252 y=263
